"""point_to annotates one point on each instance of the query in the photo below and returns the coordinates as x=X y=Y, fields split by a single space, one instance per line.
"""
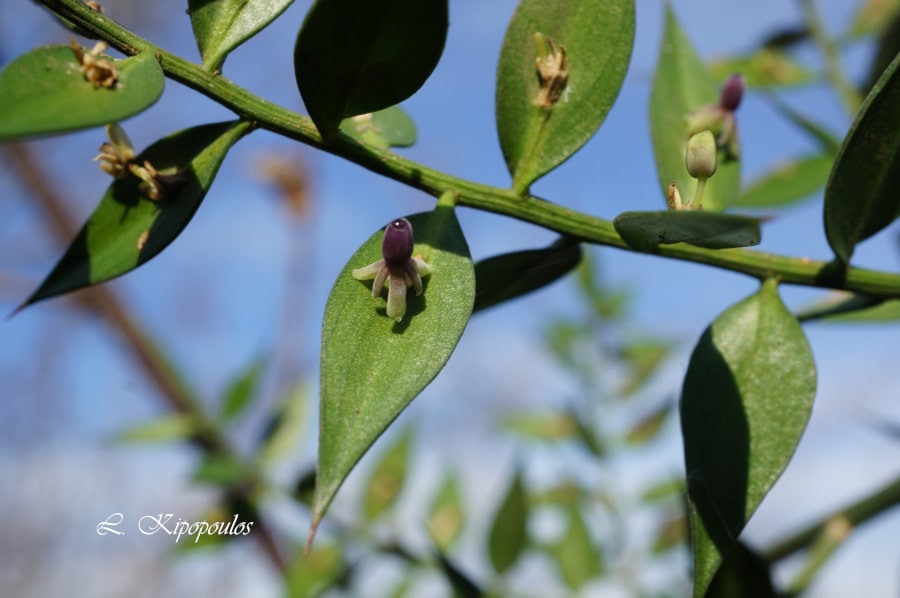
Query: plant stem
x=104 y=302
x=587 y=228
x=833 y=535
x=880 y=501
x=833 y=70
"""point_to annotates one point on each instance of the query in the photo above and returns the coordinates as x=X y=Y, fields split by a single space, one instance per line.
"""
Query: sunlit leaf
x=222 y=25
x=764 y=68
x=45 y=92
x=391 y=127
x=358 y=57
x=681 y=85
x=536 y=136
x=645 y=231
x=372 y=366
x=509 y=534
x=446 y=516
x=127 y=229
x=747 y=396
x=387 y=478
x=787 y=183
x=504 y=277
x=861 y=196
x=577 y=554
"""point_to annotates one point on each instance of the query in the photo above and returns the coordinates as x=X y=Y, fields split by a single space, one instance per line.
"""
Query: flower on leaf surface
x=397 y=267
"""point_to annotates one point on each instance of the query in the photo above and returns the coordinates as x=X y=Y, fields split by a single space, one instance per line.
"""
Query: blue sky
x=215 y=297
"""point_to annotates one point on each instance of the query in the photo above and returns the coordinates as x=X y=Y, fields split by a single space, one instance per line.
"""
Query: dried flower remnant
x=117 y=154
x=553 y=71
x=117 y=158
x=100 y=72
x=398 y=267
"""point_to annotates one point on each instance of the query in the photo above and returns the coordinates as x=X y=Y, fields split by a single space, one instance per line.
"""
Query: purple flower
x=397 y=267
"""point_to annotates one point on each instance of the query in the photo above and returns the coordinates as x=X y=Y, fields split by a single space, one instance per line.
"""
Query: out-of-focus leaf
x=386 y=481
x=597 y=36
x=845 y=307
x=565 y=494
x=504 y=277
x=827 y=141
x=462 y=584
x=220 y=26
x=372 y=366
x=888 y=48
x=746 y=399
x=607 y=303
x=786 y=38
x=649 y=426
x=446 y=516
x=576 y=553
x=861 y=196
x=544 y=426
x=312 y=574
x=664 y=491
x=391 y=127
x=219 y=471
x=744 y=574
x=642 y=356
x=787 y=183
x=681 y=85
x=127 y=229
x=169 y=428
x=287 y=426
x=305 y=488
x=764 y=68
x=589 y=438
x=509 y=530
x=242 y=390
x=645 y=231
x=358 y=57
x=872 y=16
x=672 y=533
x=45 y=92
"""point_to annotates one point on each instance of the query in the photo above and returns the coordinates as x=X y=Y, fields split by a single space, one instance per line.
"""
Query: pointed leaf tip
x=372 y=366
x=861 y=195
x=746 y=399
x=127 y=229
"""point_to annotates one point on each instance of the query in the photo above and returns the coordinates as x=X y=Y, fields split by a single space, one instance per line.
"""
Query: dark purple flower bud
x=397 y=246
x=732 y=92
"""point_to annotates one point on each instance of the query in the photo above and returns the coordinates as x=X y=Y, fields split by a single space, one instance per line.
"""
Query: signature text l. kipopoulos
x=166 y=523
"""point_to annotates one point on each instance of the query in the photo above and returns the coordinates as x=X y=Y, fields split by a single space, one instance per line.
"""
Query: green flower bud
x=700 y=157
